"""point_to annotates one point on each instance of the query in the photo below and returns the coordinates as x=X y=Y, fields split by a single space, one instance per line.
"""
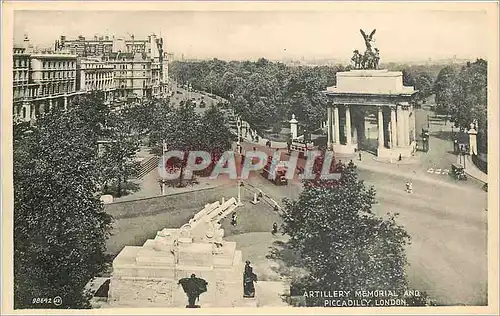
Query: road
x=445 y=218
x=181 y=94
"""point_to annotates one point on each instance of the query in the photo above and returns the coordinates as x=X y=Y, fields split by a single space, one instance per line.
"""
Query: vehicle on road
x=301 y=146
x=458 y=172
x=277 y=172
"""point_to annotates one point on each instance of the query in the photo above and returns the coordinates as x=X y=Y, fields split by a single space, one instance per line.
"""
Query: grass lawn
x=137 y=221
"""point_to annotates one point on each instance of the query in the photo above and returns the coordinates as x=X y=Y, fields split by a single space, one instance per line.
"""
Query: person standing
x=359 y=155
x=234 y=219
x=275 y=229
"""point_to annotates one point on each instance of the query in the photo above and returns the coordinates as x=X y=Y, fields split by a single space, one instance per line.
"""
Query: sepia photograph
x=246 y=156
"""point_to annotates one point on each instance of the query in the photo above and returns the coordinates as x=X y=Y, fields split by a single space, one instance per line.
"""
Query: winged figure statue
x=368 y=39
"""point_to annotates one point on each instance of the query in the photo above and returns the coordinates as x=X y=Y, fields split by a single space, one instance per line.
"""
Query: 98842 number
x=42 y=300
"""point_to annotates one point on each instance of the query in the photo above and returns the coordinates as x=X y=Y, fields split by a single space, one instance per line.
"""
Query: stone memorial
x=366 y=86
x=154 y=275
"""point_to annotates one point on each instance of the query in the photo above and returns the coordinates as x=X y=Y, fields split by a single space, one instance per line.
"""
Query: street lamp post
x=238 y=148
x=164 y=151
x=463 y=154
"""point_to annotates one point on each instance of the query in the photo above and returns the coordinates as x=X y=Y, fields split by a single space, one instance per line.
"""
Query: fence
x=147 y=166
x=480 y=163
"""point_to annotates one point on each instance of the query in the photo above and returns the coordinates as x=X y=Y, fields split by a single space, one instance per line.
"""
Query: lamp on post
x=463 y=155
x=238 y=148
x=164 y=166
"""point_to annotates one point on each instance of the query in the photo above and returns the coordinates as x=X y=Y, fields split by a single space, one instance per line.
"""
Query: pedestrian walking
x=399 y=159
x=359 y=155
x=351 y=164
x=409 y=188
x=234 y=218
x=275 y=229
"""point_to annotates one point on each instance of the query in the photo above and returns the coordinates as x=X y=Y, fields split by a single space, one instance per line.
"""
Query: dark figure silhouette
x=193 y=287
x=248 y=279
x=275 y=228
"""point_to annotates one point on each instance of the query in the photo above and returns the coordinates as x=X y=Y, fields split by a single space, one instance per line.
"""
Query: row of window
x=94 y=66
x=21 y=63
x=43 y=90
x=144 y=66
x=58 y=75
x=135 y=83
x=89 y=76
x=21 y=75
x=58 y=64
x=131 y=74
x=100 y=84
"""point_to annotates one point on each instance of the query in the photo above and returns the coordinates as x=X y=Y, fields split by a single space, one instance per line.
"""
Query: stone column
x=348 y=125
x=329 y=125
x=50 y=104
x=293 y=126
x=472 y=140
x=406 y=114
x=412 y=126
x=65 y=102
x=380 y=128
x=400 y=126
x=337 y=125
x=394 y=134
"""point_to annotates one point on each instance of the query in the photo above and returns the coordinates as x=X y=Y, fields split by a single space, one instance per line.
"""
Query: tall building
x=41 y=80
x=140 y=65
x=95 y=74
x=132 y=74
x=121 y=68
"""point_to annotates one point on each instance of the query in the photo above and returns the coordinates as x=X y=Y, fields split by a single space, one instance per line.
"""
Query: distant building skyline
x=277 y=35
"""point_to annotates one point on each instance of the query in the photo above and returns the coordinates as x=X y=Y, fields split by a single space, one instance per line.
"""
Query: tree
x=342 y=243
x=443 y=89
x=185 y=134
x=60 y=227
x=118 y=154
x=216 y=136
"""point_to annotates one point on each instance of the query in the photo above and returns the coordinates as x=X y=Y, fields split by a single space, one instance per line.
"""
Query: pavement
x=446 y=218
x=471 y=169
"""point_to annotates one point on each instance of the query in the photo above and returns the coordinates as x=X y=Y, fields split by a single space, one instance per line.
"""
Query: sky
x=400 y=36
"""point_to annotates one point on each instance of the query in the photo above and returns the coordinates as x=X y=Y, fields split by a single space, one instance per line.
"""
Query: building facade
x=140 y=65
x=41 y=81
x=132 y=75
x=95 y=74
x=121 y=68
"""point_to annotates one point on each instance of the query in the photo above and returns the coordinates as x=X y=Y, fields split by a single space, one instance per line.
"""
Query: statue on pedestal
x=193 y=287
x=368 y=39
x=370 y=59
x=248 y=279
x=357 y=59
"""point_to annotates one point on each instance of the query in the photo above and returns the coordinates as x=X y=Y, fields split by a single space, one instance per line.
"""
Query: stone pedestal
x=345 y=149
x=393 y=153
x=293 y=127
x=384 y=91
x=148 y=276
x=472 y=140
